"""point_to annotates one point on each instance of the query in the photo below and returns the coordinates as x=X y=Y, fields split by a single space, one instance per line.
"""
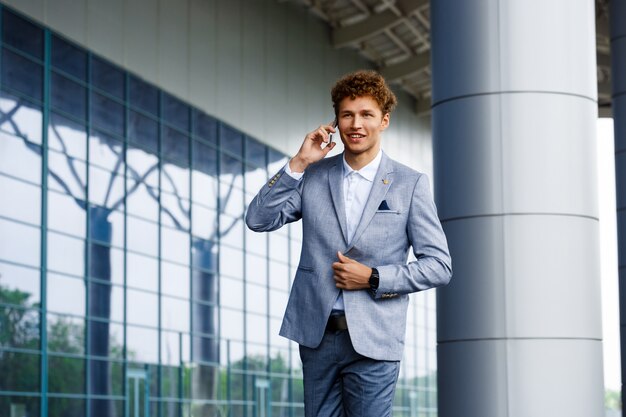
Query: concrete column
x=618 y=78
x=514 y=136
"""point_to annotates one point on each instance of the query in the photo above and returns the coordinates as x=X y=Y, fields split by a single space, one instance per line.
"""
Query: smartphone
x=330 y=137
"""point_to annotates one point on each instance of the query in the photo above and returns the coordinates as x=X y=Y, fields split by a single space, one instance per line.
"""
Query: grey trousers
x=339 y=382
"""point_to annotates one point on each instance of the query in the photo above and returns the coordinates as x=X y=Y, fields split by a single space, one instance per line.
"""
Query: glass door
x=137 y=393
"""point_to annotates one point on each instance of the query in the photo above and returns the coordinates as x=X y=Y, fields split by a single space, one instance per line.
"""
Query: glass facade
x=129 y=285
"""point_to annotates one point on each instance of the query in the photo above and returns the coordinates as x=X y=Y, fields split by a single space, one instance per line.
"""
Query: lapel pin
x=385 y=182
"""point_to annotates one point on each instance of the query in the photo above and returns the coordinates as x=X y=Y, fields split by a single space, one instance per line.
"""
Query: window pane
x=204 y=158
x=231 y=230
x=231 y=201
x=175 y=280
x=231 y=140
x=144 y=96
x=66 y=407
x=65 y=214
x=107 y=114
x=25 y=406
x=66 y=334
x=231 y=262
x=256 y=299
x=19 y=285
x=66 y=174
x=105 y=188
x=61 y=289
x=142 y=200
x=106 y=339
x=68 y=96
x=175 y=314
x=107 y=378
x=107 y=77
x=256 y=178
x=142 y=167
x=22 y=34
x=69 y=58
x=171 y=352
x=204 y=223
x=175 y=245
x=22 y=119
x=108 y=408
x=66 y=375
x=106 y=152
x=66 y=254
x=231 y=173
x=142 y=308
x=205 y=127
x=174 y=212
x=205 y=286
x=22 y=201
x=204 y=189
x=278 y=303
x=67 y=136
x=106 y=263
x=279 y=276
x=22 y=74
x=275 y=160
x=142 y=271
x=231 y=293
x=231 y=325
x=20 y=326
x=106 y=301
x=175 y=112
x=175 y=146
x=20 y=371
x=255 y=152
x=175 y=180
x=256 y=333
x=143 y=131
x=279 y=247
x=23 y=247
x=256 y=269
x=256 y=242
x=142 y=345
x=142 y=236
x=205 y=322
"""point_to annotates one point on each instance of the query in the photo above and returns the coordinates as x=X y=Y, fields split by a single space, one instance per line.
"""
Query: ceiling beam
x=374 y=24
x=603 y=60
x=422 y=106
x=604 y=90
x=396 y=72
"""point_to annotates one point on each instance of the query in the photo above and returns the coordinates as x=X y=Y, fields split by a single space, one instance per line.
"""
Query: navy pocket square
x=383 y=205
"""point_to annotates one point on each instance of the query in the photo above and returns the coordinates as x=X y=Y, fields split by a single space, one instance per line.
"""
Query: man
x=361 y=212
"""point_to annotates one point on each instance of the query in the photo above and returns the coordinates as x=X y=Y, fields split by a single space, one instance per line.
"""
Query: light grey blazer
x=377 y=324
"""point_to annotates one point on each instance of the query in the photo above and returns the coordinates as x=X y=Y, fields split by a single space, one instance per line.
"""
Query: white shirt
x=356 y=190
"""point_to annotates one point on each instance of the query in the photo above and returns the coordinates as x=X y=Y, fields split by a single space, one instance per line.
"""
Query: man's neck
x=358 y=161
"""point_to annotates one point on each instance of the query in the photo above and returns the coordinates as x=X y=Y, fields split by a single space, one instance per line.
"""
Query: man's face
x=361 y=122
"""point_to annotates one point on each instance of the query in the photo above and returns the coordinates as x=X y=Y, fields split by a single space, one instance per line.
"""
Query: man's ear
x=385 y=122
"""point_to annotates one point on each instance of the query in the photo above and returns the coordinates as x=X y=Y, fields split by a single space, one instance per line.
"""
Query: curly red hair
x=364 y=83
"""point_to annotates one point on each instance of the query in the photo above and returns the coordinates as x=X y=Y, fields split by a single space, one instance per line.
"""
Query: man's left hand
x=350 y=274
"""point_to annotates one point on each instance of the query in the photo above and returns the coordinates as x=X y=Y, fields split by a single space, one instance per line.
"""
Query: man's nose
x=356 y=122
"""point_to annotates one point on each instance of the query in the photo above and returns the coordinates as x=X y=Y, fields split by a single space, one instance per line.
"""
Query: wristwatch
x=374 y=281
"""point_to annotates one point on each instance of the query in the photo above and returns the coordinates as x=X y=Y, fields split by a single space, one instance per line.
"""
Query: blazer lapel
x=335 y=182
x=382 y=182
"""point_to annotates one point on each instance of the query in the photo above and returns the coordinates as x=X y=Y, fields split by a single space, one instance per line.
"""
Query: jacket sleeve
x=433 y=266
x=277 y=203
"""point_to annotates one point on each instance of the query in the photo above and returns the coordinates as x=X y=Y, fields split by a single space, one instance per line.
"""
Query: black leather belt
x=336 y=323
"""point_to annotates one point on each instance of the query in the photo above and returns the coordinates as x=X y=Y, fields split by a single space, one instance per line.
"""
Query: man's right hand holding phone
x=317 y=144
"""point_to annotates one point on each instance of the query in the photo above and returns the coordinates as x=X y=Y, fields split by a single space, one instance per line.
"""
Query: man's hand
x=313 y=149
x=350 y=274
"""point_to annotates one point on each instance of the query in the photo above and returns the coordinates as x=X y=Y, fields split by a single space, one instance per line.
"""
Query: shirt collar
x=368 y=171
